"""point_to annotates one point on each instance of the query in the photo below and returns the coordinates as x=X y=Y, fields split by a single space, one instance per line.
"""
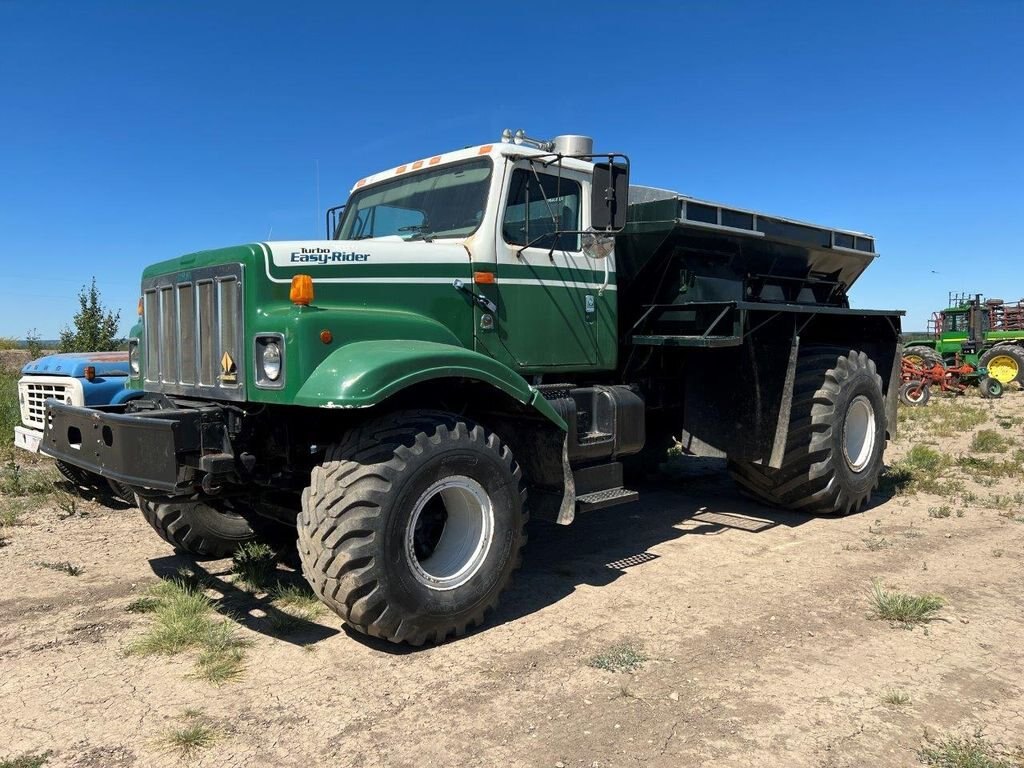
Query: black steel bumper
x=170 y=450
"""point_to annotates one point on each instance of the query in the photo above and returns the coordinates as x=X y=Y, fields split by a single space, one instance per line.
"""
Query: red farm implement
x=919 y=379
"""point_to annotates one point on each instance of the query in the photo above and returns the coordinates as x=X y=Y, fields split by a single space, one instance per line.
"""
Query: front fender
x=124 y=395
x=365 y=373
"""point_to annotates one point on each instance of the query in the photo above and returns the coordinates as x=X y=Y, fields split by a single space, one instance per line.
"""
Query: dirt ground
x=756 y=626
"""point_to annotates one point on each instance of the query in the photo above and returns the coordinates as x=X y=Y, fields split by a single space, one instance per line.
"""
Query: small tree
x=34 y=344
x=95 y=327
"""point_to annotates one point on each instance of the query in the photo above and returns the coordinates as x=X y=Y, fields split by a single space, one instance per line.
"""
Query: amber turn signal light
x=326 y=336
x=301 y=293
x=90 y=372
x=140 y=306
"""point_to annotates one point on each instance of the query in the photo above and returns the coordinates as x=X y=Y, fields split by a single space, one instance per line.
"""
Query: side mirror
x=609 y=196
x=333 y=219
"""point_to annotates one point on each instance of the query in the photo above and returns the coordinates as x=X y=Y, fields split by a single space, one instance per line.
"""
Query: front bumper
x=165 y=449
x=27 y=439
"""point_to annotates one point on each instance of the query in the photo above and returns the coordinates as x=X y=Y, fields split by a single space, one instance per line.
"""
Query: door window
x=539 y=205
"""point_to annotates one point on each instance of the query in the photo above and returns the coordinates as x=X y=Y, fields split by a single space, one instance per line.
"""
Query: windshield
x=441 y=202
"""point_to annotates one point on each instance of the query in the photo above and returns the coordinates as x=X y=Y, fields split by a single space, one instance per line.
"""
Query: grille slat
x=192 y=320
x=36 y=394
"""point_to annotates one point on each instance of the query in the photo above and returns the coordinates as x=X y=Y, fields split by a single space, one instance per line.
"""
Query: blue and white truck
x=73 y=378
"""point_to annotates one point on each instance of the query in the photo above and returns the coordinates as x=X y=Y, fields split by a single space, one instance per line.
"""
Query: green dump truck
x=984 y=333
x=486 y=335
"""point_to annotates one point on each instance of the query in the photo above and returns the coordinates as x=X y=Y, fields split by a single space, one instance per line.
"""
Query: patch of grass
x=143 y=605
x=944 y=511
x=624 y=657
x=63 y=567
x=903 y=607
x=920 y=470
x=896 y=698
x=183 y=621
x=958 y=418
x=190 y=738
x=989 y=441
x=972 y=751
x=982 y=469
x=10 y=411
x=873 y=545
x=27 y=760
x=254 y=564
x=16 y=480
x=1013 y=517
x=293 y=605
x=67 y=503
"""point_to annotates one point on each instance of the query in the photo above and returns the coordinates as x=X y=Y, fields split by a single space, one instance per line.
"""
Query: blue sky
x=131 y=132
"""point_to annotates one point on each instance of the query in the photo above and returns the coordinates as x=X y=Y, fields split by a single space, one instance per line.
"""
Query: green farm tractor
x=985 y=334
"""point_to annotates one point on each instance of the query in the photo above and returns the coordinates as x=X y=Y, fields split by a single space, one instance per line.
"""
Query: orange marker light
x=400 y=169
x=485 y=149
x=326 y=336
x=301 y=293
x=484 y=278
x=140 y=306
x=90 y=372
x=417 y=165
x=434 y=160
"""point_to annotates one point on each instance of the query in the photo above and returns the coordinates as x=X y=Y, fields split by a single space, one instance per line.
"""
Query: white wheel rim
x=458 y=552
x=859 y=433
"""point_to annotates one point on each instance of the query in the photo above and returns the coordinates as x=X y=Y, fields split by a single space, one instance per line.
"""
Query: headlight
x=133 y=357
x=271 y=360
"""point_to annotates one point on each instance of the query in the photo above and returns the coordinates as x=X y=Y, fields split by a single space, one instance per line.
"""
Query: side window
x=535 y=210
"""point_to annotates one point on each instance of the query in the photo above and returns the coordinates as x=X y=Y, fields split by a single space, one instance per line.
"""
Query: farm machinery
x=483 y=337
x=954 y=379
x=984 y=333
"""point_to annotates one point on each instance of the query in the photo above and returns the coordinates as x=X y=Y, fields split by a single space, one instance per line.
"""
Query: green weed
x=28 y=760
x=966 y=752
x=191 y=738
x=989 y=441
x=254 y=563
x=896 y=698
x=944 y=511
x=903 y=607
x=619 y=658
x=184 y=620
x=62 y=567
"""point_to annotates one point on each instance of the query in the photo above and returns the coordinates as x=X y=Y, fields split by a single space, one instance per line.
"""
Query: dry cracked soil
x=748 y=629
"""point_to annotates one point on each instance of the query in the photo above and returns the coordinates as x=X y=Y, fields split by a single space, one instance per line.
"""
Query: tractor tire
x=1004 y=362
x=121 y=492
x=990 y=387
x=914 y=393
x=78 y=477
x=413 y=526
x=196 y=527
x=922 y=357
x=833 y=455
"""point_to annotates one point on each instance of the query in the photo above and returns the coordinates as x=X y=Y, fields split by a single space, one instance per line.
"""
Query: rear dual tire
x=833 y=453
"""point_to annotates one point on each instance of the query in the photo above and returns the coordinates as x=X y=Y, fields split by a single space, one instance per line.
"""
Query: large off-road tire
x=196 y=527
x=836 y=437
x=1004 y=362
x=413 y=526
x=922 y=357
x=78 y=477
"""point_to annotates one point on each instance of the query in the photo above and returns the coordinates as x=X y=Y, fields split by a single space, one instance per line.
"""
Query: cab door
x=551 y=306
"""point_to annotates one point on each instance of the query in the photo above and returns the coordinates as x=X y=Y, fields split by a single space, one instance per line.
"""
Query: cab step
x=608 y=498
x=599 y=486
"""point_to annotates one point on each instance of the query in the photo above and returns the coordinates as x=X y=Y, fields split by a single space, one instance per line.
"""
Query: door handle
x=482 y=301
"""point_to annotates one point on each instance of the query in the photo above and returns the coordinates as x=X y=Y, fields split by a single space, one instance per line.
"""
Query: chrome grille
x=193 y=326
x=34 y=395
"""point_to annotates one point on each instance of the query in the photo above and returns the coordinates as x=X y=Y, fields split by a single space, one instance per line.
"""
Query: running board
x=602 y=499
x=599 y=486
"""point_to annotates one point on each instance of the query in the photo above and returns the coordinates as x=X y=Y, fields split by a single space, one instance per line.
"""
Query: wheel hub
x=859 y=433
x=449 y=533
x=1004 y=368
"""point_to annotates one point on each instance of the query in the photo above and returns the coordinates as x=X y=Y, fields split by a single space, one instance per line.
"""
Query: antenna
x=316 y=213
